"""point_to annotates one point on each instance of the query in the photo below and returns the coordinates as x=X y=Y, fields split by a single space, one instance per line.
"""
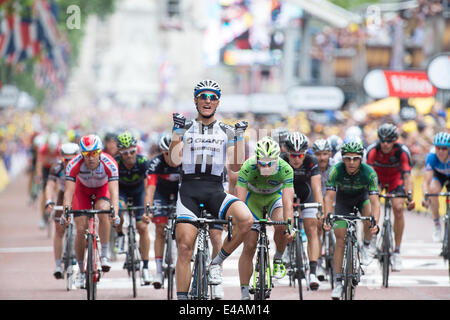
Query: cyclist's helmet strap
x=297 y=142
x=126 y=140
x=90 y=143
x=388 y=131
x=267 y=148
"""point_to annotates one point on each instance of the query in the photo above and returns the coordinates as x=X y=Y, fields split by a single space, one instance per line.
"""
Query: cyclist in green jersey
x=351 y=183
x=265 y=180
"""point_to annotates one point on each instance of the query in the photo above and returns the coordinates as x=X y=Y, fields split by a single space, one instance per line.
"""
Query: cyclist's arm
x=288 y=203
x=375 y=206
x=68 y=193
x=241 y=193
x=328 y=201
x=50 y=190
x=235 y=156
x=150 y=188
x=428 y=176
x=175 y=150
x=113 y=187
x=409 y=184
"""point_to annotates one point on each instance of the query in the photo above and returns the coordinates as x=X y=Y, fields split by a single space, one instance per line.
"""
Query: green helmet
x=267 y=148
x=126 y=140
x=352 y=147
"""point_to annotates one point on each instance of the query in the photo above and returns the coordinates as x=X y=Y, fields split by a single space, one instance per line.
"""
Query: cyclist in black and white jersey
x=322 y=150
x=203 y=147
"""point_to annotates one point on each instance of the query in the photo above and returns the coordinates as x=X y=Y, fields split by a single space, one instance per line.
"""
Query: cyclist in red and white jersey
x=392 y=162
x=92 y=172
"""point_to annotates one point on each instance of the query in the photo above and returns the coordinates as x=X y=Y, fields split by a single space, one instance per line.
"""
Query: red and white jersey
x=106 y=171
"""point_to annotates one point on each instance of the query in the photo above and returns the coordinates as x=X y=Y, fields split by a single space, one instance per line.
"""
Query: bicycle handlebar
x=332 y=217
x=392 y=195
x=441 y=194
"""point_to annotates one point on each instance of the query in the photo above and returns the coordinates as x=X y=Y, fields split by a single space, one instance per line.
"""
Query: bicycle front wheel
x=68 y=267
x=348 y=271
x=330 y=258
x=299 y=268
x=131 y=253
x=169 y=272
x=262 y=267
x=386 y=254
x=91 y=284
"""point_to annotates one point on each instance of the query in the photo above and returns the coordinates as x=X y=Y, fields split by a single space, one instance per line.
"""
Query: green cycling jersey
x=364 y=180
x=264 y=191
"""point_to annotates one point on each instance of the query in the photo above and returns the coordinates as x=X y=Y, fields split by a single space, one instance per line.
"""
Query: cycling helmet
x=442 y=139
x=353 y=131
x=321 y=145
x=69 y=149
x=280 y=135
x=387 y=131
x=90 y=143
x=126 y=140
x=297 y=142
x=335 y=143
x=267 y=148
x=164 y=142
x=352 y=147
x=110 y=136
x=207 y=85
x=53 y=141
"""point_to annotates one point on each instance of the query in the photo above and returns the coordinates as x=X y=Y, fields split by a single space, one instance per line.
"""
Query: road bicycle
x=446 y=241
x=199 y=282
x=351 y=265
x=262 y=275
x=133 y=257
x=92 y=263
x=386 y=249
x=298 y=259
x=68 y=257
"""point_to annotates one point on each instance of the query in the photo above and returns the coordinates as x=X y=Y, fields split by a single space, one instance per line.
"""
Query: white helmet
x=353 y=131
x=69 y=149
x=164 y=142
x=207 y=85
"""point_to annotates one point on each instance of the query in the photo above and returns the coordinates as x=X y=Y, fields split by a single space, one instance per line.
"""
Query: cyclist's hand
x=425 y=203
x=374 y=230
x=49 y=209
x=240 y=127
x=115 y=220
x=325 y=225
x=289 y=237
x=146 y=218
x=179 y=121
x=63 y=221
x=411 y=205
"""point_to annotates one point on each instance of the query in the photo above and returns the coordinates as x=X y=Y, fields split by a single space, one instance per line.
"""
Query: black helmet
x=388 y=132
x=164 y=142
x=297 y=142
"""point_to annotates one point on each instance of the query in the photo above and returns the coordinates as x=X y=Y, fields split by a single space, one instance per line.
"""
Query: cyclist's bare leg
x=399 y=220
x=242 y=223
x=185 y=234
x=279 y=237
x=104 y=225
x=339 y=249
x=246 y=258
x=159 y=239
x=215 y=236
x=58 y=240
x=81 y=224
x=366 y=224
x=435 y=187
x=144 y=240
x=313 y=238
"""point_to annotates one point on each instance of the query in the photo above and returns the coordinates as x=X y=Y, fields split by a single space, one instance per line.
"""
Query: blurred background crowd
x=105 y=66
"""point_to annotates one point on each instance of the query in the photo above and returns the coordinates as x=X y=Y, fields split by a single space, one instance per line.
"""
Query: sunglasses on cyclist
x=350 y=158
x=297 y=155
x=266 y=163
x=128 y=152
x=210 y=96
x=441 y=148
x=387 y=141
x=91 y=153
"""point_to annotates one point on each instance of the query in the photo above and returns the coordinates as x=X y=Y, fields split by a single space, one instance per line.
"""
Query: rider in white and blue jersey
x=437 y=175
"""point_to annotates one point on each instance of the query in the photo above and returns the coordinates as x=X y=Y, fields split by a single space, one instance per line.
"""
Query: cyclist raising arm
x=437 y=174
x=205 y=146
x=92 y=173
x=351 y=183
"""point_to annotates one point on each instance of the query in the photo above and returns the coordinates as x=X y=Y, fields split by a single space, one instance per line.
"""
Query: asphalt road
x=26 y=264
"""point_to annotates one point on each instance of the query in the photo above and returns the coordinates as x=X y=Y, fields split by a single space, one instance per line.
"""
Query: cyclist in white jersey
x=205 y=146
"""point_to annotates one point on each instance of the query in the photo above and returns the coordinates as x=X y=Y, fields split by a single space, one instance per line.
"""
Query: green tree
x=350 y=4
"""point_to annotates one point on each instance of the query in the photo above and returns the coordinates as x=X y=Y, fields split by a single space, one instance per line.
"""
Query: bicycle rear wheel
x=386 y=254
x=348 y=271
x=91 y=284
x=299 y=268
x=329 y=260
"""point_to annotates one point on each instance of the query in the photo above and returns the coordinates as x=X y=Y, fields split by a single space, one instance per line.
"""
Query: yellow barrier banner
x=4 y=177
